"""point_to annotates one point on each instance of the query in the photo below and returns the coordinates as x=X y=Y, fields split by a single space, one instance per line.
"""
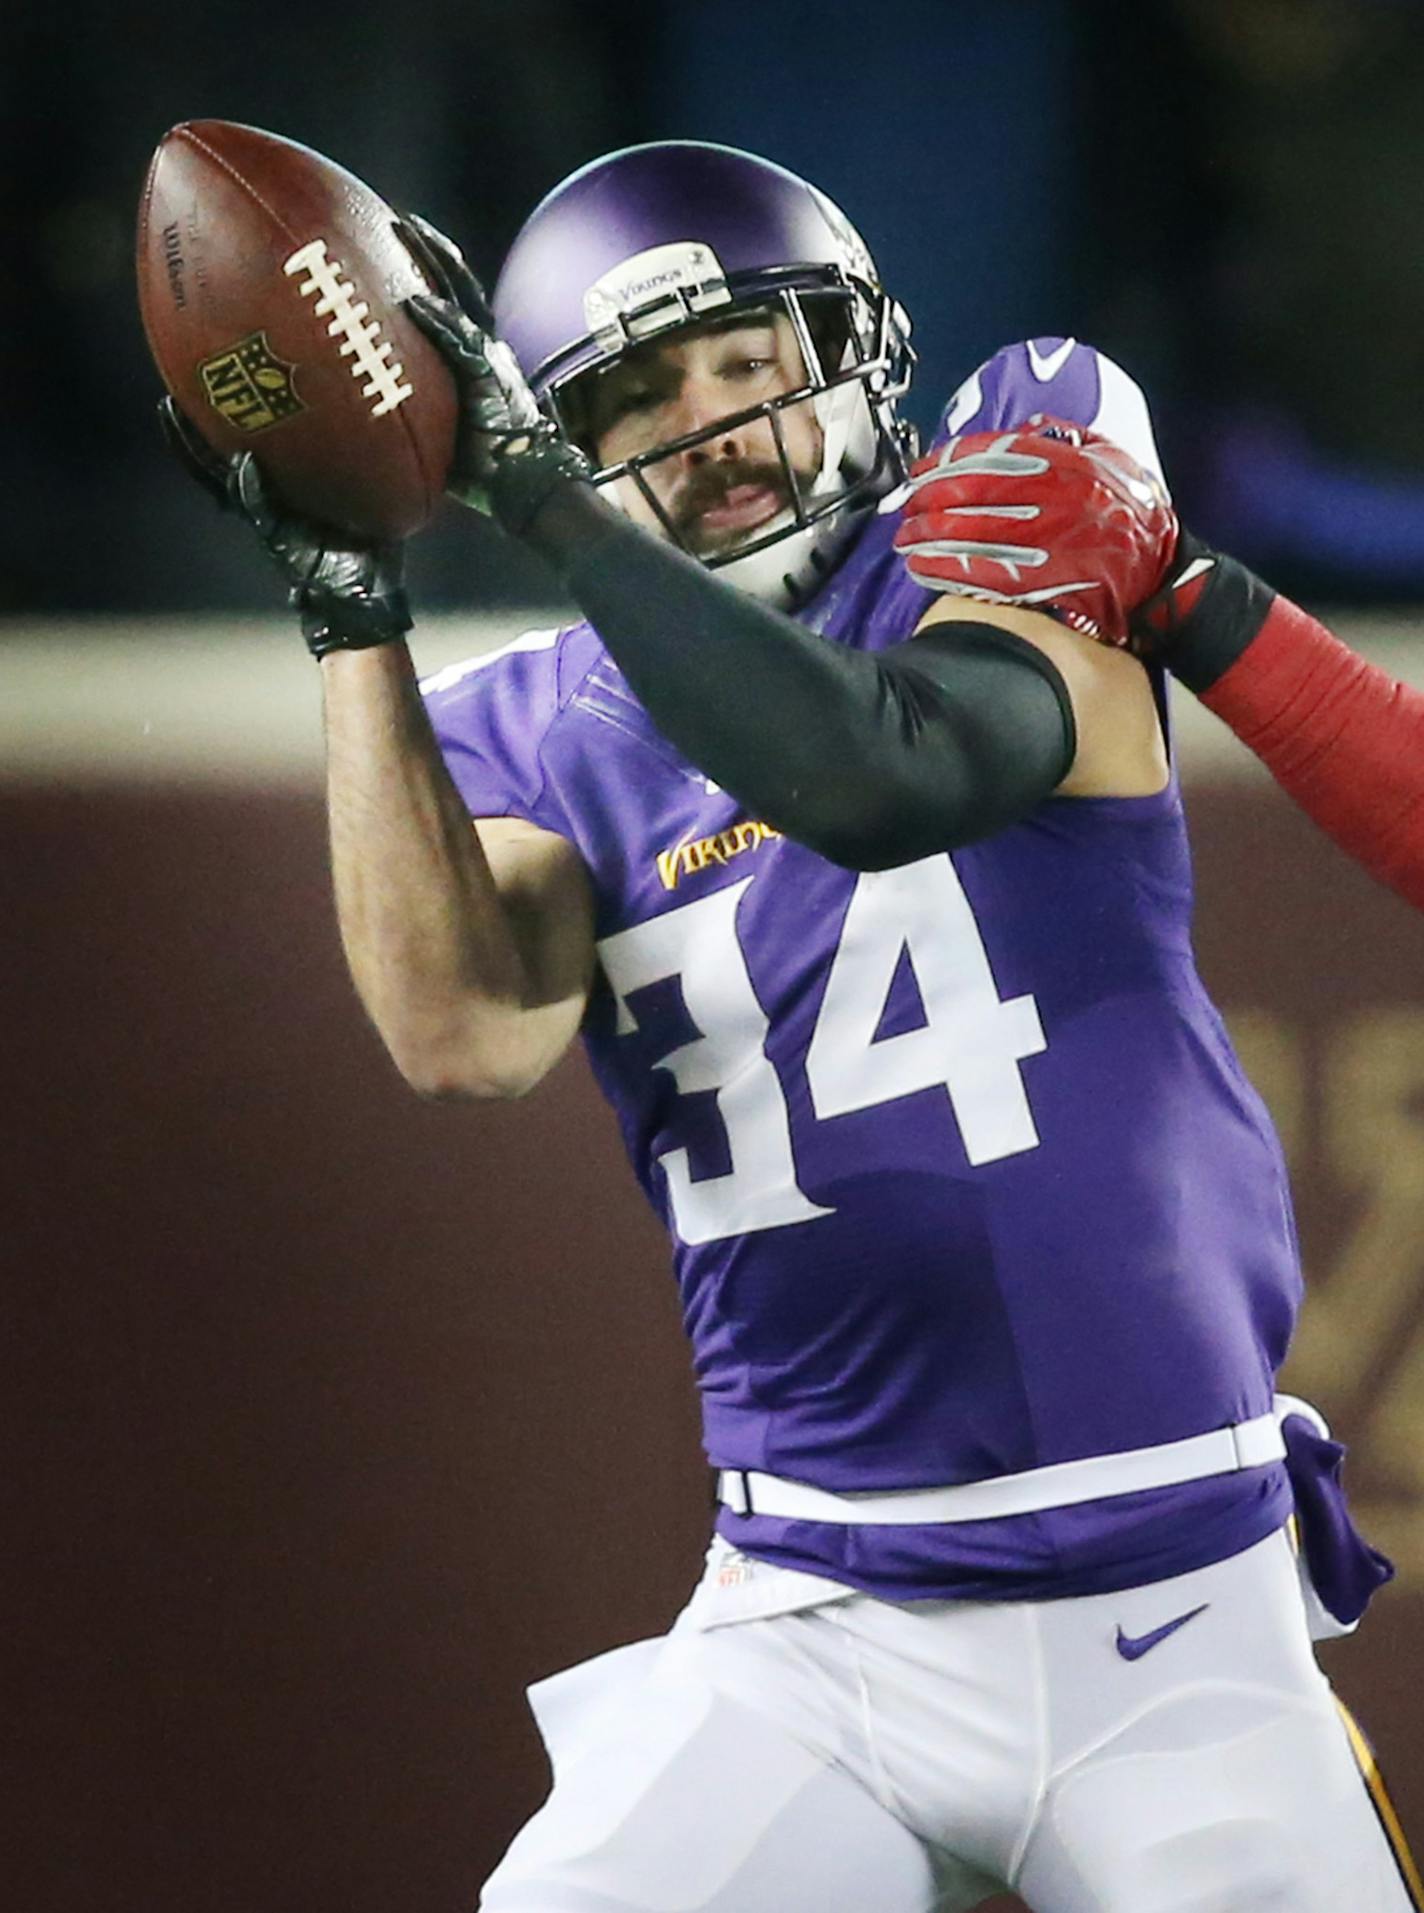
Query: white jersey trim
x=453 y=674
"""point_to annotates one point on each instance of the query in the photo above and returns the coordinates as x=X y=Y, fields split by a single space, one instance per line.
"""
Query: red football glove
x=1051 y=517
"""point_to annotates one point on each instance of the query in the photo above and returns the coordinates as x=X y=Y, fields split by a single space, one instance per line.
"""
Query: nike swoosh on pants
x=1133 y=1646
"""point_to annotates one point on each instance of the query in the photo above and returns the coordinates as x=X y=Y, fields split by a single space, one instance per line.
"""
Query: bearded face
x=722 y=490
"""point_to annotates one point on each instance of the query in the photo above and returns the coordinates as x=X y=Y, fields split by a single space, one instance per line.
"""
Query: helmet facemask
x=856 y=358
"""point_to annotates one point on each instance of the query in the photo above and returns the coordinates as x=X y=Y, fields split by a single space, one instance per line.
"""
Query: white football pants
x=1170 y=1749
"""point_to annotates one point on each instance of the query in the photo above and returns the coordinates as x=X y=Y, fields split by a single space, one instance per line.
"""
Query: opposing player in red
x=1341 y=736
x=872 y=907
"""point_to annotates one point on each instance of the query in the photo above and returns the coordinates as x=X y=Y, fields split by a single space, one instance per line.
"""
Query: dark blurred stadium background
x=330 y=1419
x=1224 y=193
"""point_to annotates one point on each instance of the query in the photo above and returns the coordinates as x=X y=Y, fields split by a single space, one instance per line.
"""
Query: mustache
x=709 y=485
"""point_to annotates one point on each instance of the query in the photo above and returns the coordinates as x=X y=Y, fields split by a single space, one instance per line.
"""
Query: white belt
x=1250 y=1444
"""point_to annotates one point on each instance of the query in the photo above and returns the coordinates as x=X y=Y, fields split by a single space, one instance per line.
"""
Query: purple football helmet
x=666 y=235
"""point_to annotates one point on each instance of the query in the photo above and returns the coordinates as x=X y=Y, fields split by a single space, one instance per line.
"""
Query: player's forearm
x=1340 y=735
x=433 y=955
x=869 y=759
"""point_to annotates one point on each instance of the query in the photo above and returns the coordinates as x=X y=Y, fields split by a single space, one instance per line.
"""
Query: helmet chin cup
x=785 y=574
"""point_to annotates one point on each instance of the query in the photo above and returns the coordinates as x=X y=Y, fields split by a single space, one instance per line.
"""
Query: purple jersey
x=962 y=1175
x=1062 y=378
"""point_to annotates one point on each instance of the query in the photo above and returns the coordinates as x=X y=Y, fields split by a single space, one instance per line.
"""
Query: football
x=270 y=282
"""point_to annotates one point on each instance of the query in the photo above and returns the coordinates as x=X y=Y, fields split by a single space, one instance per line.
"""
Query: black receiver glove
x=508 y=456
x=348 y=592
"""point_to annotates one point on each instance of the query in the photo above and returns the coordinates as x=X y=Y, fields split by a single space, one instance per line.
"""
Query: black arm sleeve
x=870 y=759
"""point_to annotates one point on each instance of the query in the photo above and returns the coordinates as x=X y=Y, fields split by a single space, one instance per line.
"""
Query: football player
x=1340 y=735
x=871 y=904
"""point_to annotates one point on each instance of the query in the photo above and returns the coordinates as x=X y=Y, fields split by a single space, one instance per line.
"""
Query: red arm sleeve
x=1343 y=738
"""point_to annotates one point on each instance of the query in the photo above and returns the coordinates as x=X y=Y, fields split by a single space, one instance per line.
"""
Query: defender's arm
x=1342 y=737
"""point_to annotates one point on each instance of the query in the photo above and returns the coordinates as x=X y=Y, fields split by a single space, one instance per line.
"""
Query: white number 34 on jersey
x=971 y=1042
